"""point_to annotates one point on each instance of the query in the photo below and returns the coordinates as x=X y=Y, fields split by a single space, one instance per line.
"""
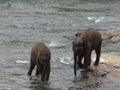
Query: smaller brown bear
x=40 y=56
x=83 y=45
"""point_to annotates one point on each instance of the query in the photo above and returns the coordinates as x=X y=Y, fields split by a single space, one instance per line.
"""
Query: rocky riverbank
x=112 y=36
x=110 y=61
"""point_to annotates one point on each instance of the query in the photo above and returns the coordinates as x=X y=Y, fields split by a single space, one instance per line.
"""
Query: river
x=53 y=22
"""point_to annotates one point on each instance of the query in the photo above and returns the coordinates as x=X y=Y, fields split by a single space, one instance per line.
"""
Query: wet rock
x=112 y=35
x=112 y=59
x=116 y=39
x=105 y=35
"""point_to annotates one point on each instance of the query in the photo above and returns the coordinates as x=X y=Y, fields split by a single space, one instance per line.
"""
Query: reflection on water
x=84 y=75
x=36 y=84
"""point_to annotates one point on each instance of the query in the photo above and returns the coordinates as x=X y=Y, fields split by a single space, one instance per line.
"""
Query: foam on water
x=69 y=60
x=96 y=20
x=101 y=60
x=55 y=44
x=66 y=60
x=21 y=61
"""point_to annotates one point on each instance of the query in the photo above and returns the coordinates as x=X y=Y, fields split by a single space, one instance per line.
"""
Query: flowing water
x=54 y=22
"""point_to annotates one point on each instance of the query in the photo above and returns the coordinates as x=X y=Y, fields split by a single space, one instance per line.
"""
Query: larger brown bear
x=40 y=56
x=83 y=45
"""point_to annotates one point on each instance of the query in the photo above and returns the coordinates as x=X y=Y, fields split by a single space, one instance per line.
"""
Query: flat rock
x=112 y=35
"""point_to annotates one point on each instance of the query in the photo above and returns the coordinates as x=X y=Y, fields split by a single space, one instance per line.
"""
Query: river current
x=53 y=22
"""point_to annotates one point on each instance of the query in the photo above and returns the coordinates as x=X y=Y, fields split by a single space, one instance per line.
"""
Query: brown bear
x=83 y=45
x=40 y=56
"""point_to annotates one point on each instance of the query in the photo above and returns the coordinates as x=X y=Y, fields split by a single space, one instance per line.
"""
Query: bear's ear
x=77 y=34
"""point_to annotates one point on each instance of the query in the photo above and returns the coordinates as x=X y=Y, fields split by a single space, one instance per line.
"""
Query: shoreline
x=112 y=35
